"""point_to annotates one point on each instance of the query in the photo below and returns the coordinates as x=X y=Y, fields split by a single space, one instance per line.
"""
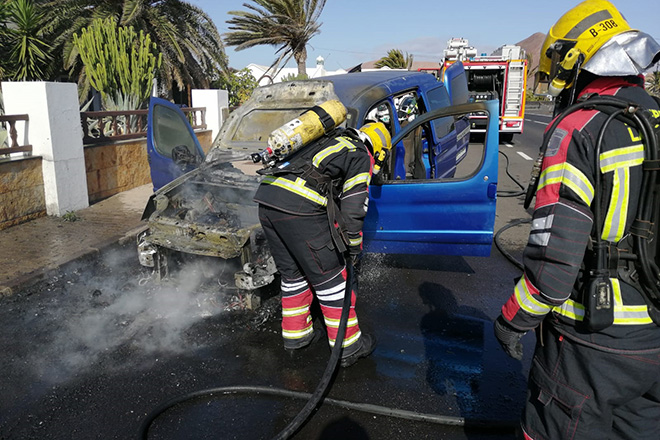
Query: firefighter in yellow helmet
x=596 y=367
x=312 y=205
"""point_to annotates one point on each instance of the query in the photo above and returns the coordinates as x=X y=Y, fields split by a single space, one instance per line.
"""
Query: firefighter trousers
x=309 y=265
x=579 y=392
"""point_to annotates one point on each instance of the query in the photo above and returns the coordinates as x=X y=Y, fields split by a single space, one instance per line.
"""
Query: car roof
x=360 y=89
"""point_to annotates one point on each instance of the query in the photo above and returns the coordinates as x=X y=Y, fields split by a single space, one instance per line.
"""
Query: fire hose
x=318 y=396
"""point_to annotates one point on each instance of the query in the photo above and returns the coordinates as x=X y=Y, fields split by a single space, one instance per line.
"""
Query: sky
x=356 y=31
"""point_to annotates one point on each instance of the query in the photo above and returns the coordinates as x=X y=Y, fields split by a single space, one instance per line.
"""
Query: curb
x=13 y=286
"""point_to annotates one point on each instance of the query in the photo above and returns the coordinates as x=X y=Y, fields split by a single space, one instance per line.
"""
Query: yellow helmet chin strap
x=566 y=71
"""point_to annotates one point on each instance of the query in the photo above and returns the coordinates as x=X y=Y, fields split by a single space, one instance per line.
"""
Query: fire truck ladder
x=515 y=88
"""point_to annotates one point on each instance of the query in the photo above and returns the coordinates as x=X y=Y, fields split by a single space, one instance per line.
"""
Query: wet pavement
x=30 y=250
x=91 y=347
x=91 y=351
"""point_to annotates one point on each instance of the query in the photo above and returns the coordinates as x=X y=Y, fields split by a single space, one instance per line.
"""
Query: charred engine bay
x=210 y=213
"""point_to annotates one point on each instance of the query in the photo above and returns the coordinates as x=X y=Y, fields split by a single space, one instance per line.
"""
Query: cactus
x=119 y=63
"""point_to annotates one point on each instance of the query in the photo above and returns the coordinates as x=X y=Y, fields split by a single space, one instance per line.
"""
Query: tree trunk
x=301 y=58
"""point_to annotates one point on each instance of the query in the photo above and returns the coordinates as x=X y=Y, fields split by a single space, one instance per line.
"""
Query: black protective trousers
x=307 y=258
x=579 y=392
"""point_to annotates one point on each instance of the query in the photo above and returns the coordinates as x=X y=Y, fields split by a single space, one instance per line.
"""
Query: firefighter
x=595 y=373
x=311 y=209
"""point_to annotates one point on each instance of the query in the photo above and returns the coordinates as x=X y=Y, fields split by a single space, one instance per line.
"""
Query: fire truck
x=501 y=76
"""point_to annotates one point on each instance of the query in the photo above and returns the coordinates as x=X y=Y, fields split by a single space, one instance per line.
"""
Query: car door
x=453 y=216
x=172 y=147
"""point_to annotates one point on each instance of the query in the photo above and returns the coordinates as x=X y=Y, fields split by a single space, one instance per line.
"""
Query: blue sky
x=354 y=31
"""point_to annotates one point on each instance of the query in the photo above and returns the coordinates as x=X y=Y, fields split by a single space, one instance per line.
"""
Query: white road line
x=539 y=122
x=523 y=155
x=508 y=144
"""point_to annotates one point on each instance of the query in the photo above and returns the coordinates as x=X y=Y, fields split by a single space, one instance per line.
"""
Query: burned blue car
x=437 y=193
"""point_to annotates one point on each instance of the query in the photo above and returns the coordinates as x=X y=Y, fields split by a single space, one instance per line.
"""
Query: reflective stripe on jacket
x=553 y=282
x=345 y=160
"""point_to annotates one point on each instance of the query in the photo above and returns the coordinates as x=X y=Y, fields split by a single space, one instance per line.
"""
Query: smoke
x=121 y=310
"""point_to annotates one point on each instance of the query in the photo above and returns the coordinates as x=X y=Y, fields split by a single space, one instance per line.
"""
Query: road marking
x=510 y=145
x=523 y=155
x=537 y=122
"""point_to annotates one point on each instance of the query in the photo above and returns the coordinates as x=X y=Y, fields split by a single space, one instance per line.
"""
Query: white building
x=265 y=77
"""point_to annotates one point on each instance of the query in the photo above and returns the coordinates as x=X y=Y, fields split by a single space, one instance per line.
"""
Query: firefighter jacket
x=294 y=186
x=555 y=270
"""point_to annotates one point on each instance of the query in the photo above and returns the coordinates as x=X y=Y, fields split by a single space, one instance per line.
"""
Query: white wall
x=55 y=133
x=214 y=100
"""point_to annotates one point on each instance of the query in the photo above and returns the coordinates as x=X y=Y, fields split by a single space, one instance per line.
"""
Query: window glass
x=257 y=125
x=458 y=157
x=170 y=131
x=459 y=91
x=381 y=112
x=438 y=98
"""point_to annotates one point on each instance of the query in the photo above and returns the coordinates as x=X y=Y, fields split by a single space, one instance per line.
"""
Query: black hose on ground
x=507 y=255
x=313 y=399
x=510 y=193
x=322 y=387
x=363 y=407
x=496 y=238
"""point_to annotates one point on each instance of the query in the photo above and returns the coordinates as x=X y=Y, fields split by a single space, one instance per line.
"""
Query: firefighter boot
x=367 y=343
x=296 y=344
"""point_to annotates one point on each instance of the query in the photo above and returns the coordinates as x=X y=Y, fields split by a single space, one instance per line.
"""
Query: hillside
x=532 y=46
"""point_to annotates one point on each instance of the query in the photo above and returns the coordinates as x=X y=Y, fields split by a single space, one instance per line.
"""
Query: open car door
x=172 y=147
x=452 y=216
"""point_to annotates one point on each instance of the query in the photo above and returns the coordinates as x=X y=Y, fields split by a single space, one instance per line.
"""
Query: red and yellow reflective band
x=297 y=334
x=342 y=143
x=334 y=323
x=355 y=241
x=362 y=178
x=295 y=311
x=526 y=300
x=297 y=187
x=347 y=341
x=568 y=175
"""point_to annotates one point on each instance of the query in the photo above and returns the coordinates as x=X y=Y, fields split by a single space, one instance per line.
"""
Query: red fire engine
x=502 y=76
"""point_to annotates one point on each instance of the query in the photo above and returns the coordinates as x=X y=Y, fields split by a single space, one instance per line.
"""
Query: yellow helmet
x=574 y=39
x=376 y=136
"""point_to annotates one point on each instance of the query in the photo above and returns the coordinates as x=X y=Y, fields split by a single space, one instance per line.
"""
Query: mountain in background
x=532 y=46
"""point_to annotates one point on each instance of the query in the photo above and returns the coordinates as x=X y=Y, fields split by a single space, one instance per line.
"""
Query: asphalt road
x=90 y=353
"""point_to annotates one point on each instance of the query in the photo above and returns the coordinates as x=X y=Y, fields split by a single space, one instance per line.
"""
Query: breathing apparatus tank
x=298 y=132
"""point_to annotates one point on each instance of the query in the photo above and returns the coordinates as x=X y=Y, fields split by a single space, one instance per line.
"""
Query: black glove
x=509 y=338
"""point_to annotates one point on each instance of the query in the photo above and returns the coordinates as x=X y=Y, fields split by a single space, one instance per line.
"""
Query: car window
x=170 y=131
x=258 y=124
x=381 y=112
x=438 y=98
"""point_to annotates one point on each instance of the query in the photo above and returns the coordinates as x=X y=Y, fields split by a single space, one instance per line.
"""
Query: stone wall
x=116 y=167
x=119 y=166
x=110 y=169
x=21 y=191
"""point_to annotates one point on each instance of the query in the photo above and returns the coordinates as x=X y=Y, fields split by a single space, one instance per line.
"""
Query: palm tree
x=187 y=38
x=395 y=60
x=289 y=24
x=24 y=54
